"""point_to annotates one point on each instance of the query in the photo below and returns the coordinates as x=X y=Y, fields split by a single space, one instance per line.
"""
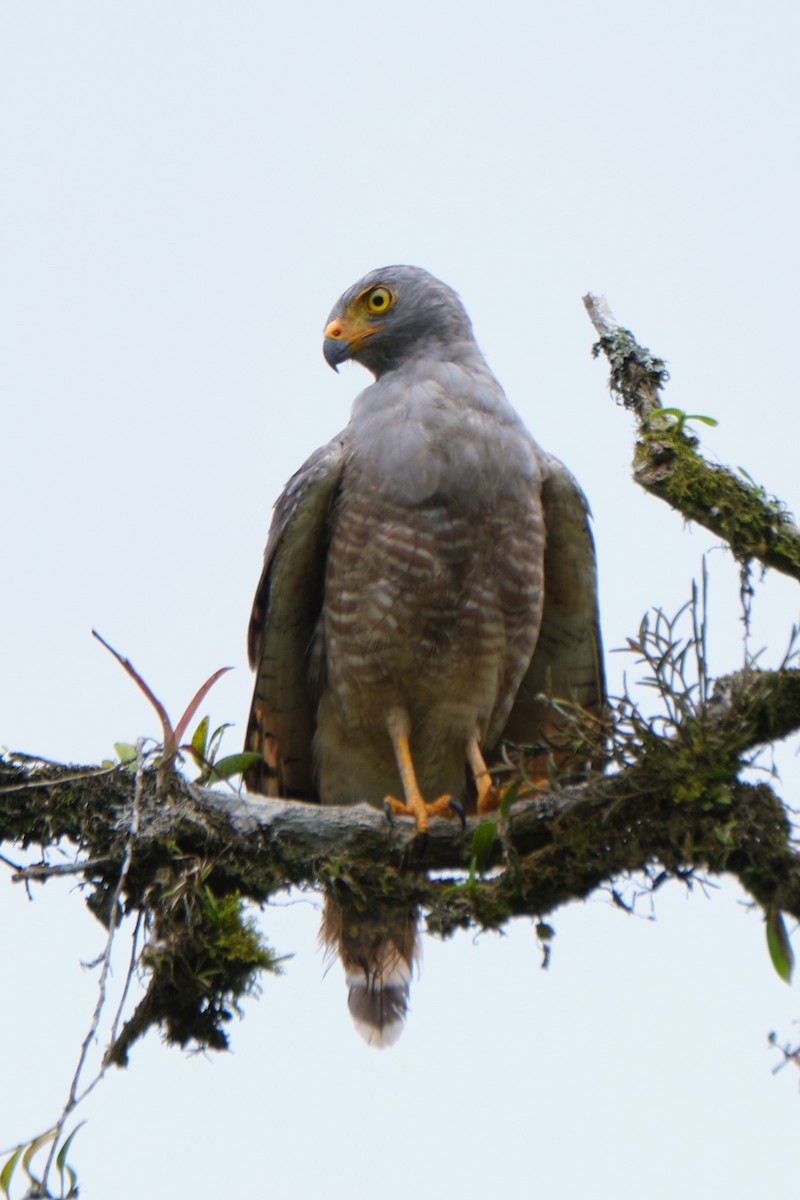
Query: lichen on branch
x=667 y=462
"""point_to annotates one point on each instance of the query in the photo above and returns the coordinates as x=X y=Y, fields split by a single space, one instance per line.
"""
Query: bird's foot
x=490 y=796
x=422 y=811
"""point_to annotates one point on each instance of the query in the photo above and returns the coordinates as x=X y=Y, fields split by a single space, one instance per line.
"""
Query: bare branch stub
x=637 y=376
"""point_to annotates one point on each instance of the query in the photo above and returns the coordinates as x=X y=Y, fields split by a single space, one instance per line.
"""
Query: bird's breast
x=451 y=435
x=415 y=594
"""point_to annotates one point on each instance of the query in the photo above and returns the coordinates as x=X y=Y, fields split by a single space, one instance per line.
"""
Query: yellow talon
x=420 y=809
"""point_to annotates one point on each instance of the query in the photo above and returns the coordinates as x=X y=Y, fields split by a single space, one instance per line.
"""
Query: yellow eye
x=379 y=299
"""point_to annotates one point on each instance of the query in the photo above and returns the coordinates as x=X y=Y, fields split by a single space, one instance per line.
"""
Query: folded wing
x=567 y=663
x=282 y=625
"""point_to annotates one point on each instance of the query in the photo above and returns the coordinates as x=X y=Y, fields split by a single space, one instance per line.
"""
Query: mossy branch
x=198 y=853
x=667 y=463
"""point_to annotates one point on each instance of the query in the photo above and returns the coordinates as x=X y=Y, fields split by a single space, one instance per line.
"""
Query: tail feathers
x=378 y=998
x=378 y=950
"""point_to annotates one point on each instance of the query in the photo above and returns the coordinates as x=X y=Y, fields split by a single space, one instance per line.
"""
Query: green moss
x=203 y=957
x=753 y=524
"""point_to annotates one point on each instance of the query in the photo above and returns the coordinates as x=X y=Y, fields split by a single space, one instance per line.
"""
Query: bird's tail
x=378 y=949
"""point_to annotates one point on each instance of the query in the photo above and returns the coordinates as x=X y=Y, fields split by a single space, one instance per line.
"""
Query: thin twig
x=73 y=1099
x=134 y=958
x=47 y=871
x=600 y=314
x=92 y=773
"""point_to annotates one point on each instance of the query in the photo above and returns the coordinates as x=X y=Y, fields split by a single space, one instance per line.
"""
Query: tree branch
x=564 y=843
x=667 y=464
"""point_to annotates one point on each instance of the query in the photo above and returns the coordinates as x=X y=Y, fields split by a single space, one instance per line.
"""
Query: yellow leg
x=489 y=796
x=399 y=726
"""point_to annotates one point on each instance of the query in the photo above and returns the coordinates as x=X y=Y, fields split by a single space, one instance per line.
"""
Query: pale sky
x=186 y=189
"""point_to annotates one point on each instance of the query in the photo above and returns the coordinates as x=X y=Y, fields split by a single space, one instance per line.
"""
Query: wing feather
x=285 y=614
x=568 y=660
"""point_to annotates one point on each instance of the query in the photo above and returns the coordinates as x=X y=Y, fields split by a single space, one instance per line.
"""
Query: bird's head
x=393 y=314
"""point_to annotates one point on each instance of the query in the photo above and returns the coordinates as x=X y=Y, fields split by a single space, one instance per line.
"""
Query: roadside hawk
x=429 y=575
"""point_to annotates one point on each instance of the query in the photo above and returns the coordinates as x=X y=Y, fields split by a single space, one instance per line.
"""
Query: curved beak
x=343 y=337
x=335 y=349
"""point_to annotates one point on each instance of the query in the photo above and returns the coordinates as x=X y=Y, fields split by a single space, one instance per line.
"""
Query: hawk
x=429 y=575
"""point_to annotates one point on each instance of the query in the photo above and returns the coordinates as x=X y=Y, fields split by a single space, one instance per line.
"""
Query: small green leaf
x=64 y=1167
x=482 y=841
x=64 y=1151
x=232 y=764
x=215 y=739
x=8 y=1170
x=30 y=1151
x=198 y=742
x=126 y=753
x=680 y=417
x=545 y=932
x=509 y=796
x=780 y=950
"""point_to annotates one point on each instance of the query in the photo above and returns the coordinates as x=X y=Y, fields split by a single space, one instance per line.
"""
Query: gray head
x=393 y=314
